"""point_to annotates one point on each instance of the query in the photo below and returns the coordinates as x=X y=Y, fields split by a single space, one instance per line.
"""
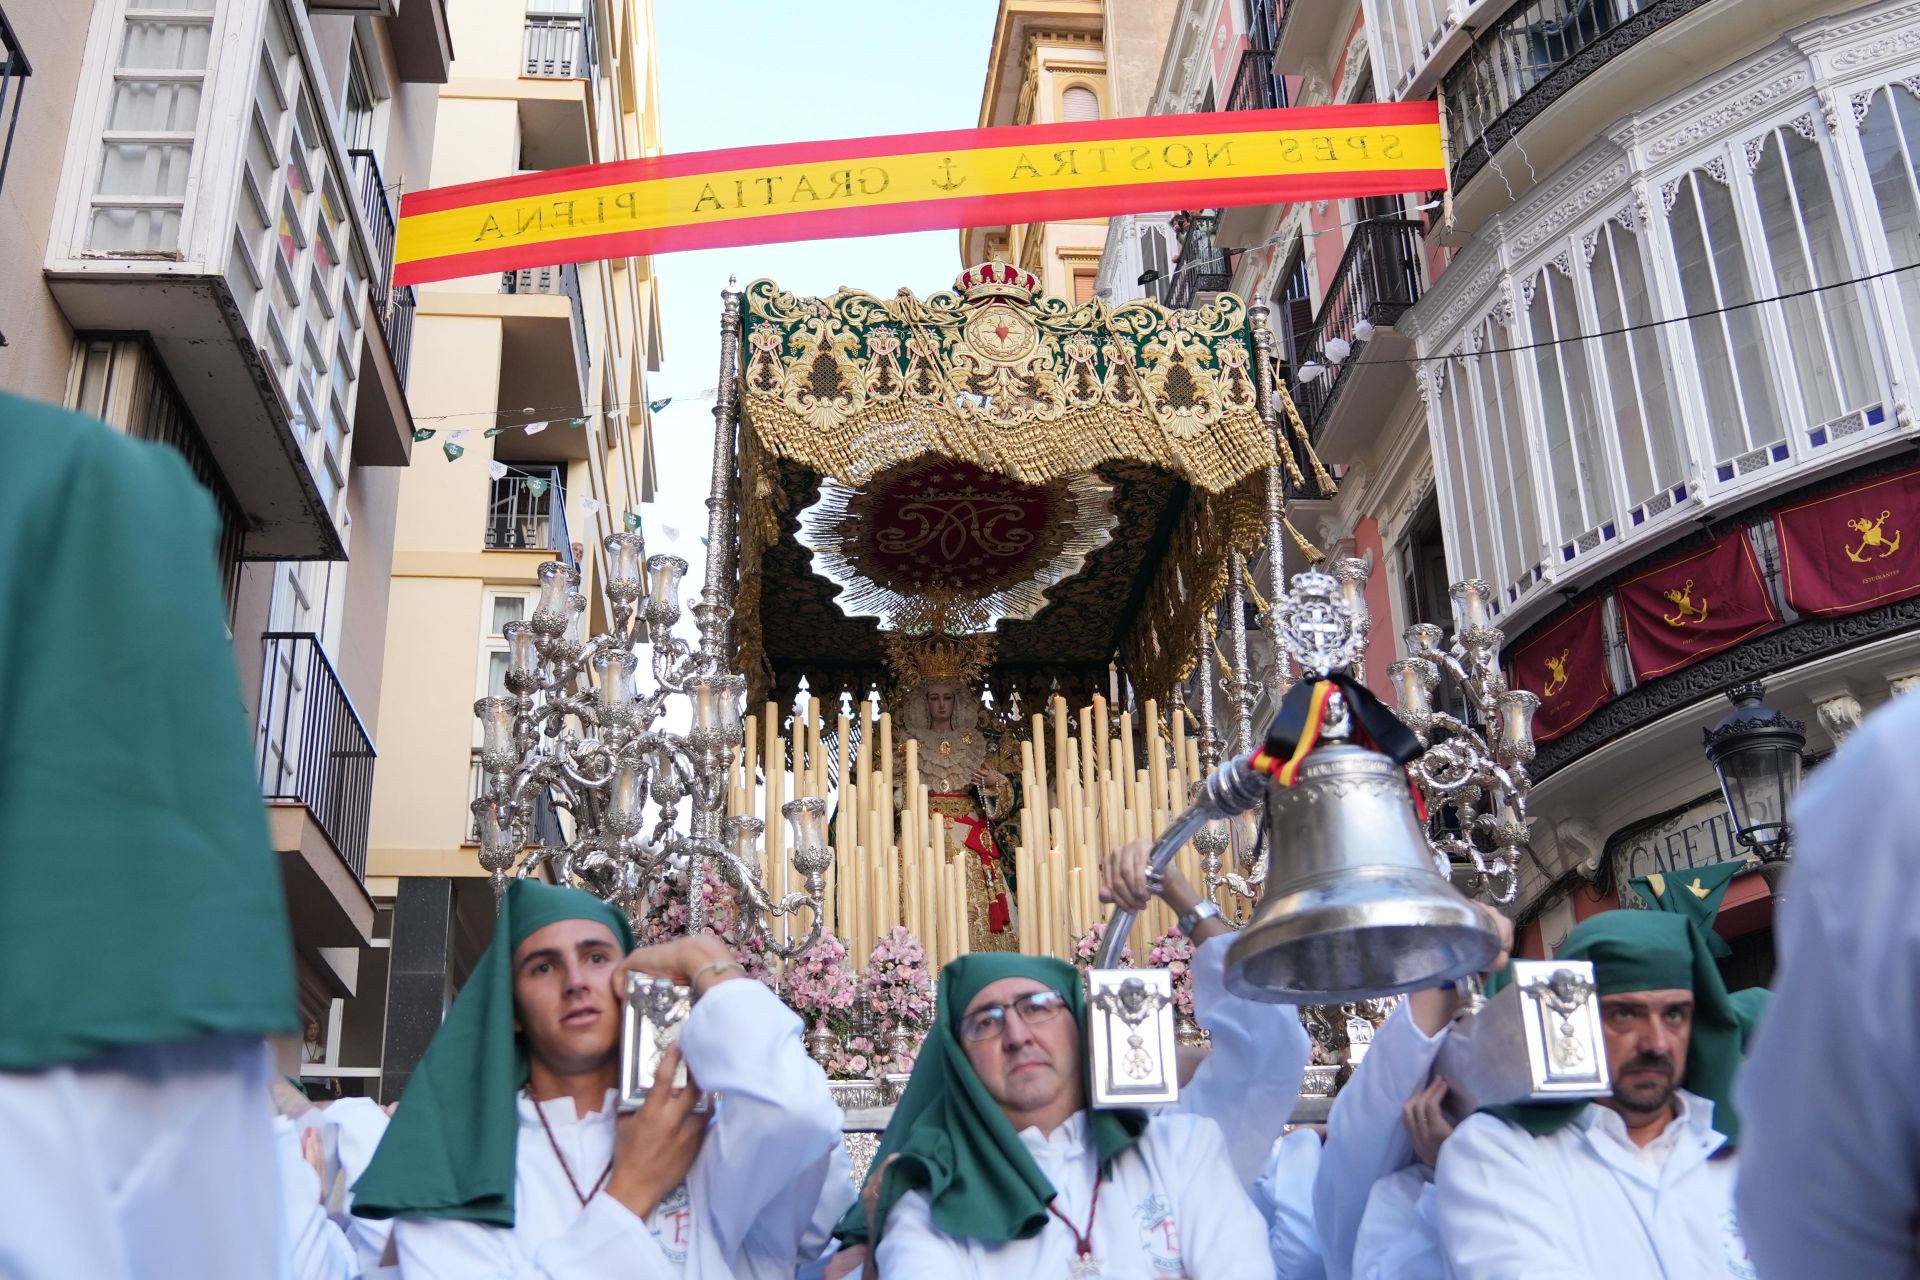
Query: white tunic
x=1285 y=1197
x=1399 y=1238
x=1586 y=1203
x=1249 y=1082
x=746 y=1203
x=1830 y=1119
x=1171 y=1207
x=1366 y=1137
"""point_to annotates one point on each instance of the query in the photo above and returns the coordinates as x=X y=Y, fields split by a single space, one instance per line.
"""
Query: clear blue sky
x=749 y=72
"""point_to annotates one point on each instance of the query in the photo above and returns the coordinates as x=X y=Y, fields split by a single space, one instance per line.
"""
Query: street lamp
x=1756 y=752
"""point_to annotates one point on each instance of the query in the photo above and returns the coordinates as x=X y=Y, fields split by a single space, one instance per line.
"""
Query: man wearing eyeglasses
x=994 y=1165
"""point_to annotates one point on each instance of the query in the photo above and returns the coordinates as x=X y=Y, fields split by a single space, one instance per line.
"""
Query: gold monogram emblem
x=1685 y=609
x=1873 y=534
x=1556 y=674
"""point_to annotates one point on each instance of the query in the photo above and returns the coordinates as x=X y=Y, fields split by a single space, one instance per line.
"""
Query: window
x=1730 y=355
x=357 y=111
x=498 y=607
x=1422 y=554
x=1083 y=278
x=1576 y=452
x=1079 y=103
x=1497 y=411
x=120 y=381
x=146 y=149
x=1456 y=467
x=1639 y=408
x=521 y=506
x=1829 y=350
x=1155 y=260
x=1889 y=135
x=1293 y=309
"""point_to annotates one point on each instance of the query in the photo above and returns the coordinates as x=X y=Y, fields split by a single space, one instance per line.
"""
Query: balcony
x=1519 y=65
x=422 y=41
x=527 y=511
x=14 y=70
x=559 y=47
x=562 y=285
x=212 y=209
x=1308 y=32
x=316 y=774
x=1377 y=280
x=384 y=424
x=1255 y=88
x=1203 y=270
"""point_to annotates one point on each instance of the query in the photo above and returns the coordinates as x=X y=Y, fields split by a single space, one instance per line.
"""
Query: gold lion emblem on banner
x=1685 y=610
x=1556 y=674
x=1873 y=535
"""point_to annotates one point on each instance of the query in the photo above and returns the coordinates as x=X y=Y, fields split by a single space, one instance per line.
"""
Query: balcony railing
x=563 y=281
x=527 y=511
x=1378 y=279
x=14 y=70
x=313 y=749
x=1255 y=87
x=558 y=48
x=393 y=306
x=1512 y=59
x=1203 y=269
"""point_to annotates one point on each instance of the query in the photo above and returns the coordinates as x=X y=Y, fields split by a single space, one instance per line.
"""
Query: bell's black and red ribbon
x=1296 y=729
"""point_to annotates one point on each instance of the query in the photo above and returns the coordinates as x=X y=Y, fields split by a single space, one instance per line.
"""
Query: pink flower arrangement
x=1088 y=943
x=821 y=986
x=667 y=918
x=899 y=989
x=1173 y=951
x=851 y=1059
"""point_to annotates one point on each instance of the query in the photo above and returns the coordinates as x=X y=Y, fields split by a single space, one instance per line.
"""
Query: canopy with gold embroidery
x=1081 y=471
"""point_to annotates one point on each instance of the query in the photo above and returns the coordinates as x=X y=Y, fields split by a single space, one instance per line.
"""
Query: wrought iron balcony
x=1377 y=280
x=527 y=511
x=14 y=70
x=560 y=48
x=1203 y=269
x=1520 y=64
x=393 y=306
x=312 y=747
x=1255 y=87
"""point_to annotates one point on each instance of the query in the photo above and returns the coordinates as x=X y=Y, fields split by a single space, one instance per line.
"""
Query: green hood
x=953 y=1140
x=1653 y=951
x=450 y=1150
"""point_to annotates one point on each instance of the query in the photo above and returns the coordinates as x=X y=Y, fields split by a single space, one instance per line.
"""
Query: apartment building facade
x=534 y=387
x=200 y=208
x=1656 y=338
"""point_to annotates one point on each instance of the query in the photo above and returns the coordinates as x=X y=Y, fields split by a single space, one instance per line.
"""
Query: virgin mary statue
x=965 y=768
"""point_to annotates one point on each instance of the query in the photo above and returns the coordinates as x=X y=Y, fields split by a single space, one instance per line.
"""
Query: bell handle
x=1229 y=791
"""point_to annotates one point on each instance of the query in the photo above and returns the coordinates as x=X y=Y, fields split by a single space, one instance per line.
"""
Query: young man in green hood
x=1637 y=1184
x=507 y=1156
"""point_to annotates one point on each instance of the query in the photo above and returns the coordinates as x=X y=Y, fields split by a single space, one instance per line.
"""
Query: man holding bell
x=1637 y=1184
x=507 y=1155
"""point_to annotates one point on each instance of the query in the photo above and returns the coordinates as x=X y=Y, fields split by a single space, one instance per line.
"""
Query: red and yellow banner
x=917 y=182
x=1854 y=549
x=1695 y=606
x=1566 y=664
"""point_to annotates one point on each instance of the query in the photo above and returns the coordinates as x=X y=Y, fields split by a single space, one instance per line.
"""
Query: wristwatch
x=1202 y=910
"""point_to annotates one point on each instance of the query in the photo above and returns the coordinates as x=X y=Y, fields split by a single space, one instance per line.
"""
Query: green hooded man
x=1636 y=1184
x=995 y=1165
x=508 y=1154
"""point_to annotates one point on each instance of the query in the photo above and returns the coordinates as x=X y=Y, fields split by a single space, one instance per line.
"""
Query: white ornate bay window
x=1889 y=123
x=1642 y=417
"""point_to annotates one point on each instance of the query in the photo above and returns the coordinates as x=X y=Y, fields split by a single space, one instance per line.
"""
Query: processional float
x=966 y=554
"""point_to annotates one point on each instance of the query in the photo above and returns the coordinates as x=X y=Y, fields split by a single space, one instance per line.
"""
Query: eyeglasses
x=1034 y=1008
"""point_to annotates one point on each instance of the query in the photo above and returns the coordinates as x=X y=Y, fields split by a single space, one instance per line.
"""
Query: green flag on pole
x=1694 y=892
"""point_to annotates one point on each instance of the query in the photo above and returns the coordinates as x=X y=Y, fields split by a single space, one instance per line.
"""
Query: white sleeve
x=1250 y=1081
x=1398 y=1239
x=836 y=1196
x=320 y=1249
x=912 y=1246
x=1830 y=1132
x=1497 y=1218
x=1285 y=1196
x=606 y=1242
x=762 y=1169
x=1366 y=1139
x=1222 y=1235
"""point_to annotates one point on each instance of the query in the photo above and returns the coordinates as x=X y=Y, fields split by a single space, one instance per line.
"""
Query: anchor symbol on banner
x=1873 y=534
x=946 y=171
